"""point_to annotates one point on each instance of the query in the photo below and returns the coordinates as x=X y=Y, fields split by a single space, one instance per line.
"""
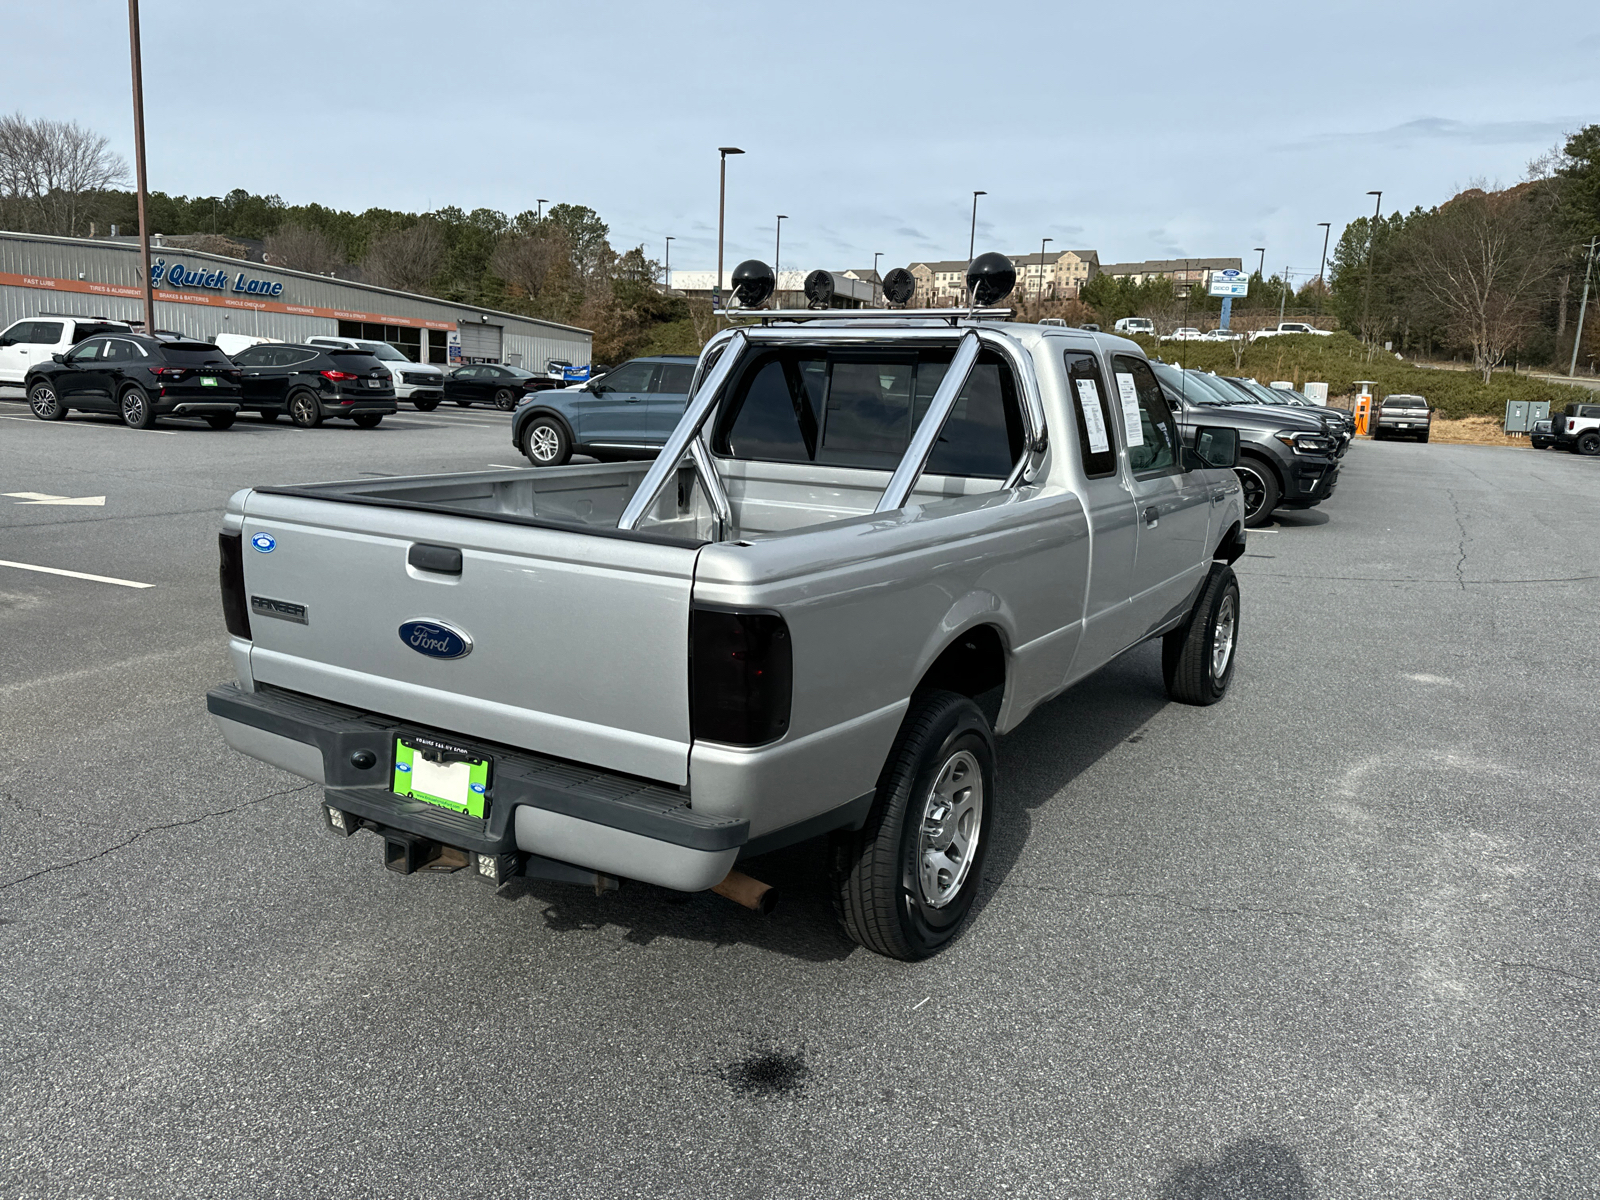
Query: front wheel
x=545 y=442
x=504 y=400
x=425 y=405
x=367 y=420
x=135 y=409
x=305 y=410
x=904 y=884
x=1197 y=658
x=219 y=420
x=1260 y=492
x=44 y=402
x=1587 y=443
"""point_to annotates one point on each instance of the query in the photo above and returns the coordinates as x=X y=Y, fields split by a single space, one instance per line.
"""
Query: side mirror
x=1217 y=446
x=60 y=358
x=8 y=341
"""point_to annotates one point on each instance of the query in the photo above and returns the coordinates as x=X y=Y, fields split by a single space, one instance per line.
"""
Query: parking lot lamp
x=1261 y=270
x=877 y=279
x=1372 y=257
x=972 y=241
x=777 y=245
x=1322 y=281
x=722 y=207
x=1042 y=243
x=538 y=213
x=667 y=266
x=138 y=158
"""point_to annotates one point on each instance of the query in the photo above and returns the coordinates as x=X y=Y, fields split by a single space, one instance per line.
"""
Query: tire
x=1377 y=434
x=887 y=893
x=504 y=400
x=1588 y=444
x=267 y=418
x=1422 y=437
x=44 y=402
x=1197 y=659
x=219 y=420
x=134 y=407
x=305 y=410
x=463 y=403
x=1261 y=491
x=367 y=420
x=425 y=405
x=545 y=442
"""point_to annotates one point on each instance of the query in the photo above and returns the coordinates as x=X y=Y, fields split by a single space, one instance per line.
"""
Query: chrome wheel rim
x=1255 y=490
x=543 y=443
x=43 y=402
x=1222 y=635
x=952 y=819
x=132 y=408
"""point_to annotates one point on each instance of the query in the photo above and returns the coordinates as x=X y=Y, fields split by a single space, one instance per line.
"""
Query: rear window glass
x=1091 y=404
x=192 y=354
x=1589 y=410
x=1405 y=402
x=859 y=409
x=674 y=378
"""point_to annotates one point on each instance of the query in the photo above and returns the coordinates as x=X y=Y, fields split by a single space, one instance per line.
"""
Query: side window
x=1152 y=433
x=629 y=377
x=1091 y=403
x=117 y=352
x=982 y=438
x=87 y=352
x=674 y=378
x=45 y=333
x=287 y=357
x=466 y=372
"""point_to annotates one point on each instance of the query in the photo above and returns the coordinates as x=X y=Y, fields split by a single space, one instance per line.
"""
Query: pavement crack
x=1543 y=970
x=8 y=799
x=128 y=841
x=1461 y=543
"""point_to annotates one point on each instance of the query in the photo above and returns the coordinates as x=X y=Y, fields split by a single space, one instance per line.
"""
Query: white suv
x=420 y=383
x=1136 y=325
x=27 y=343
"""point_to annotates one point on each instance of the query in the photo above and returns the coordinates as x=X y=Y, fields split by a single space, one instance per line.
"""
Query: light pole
x=1372 y=254
x=1261 y=270
x=722 y=206
x=877 y=280
x=1322 y=279
x=1583 y=308
x=777 y=245
x=1283 y=293
x=972 y=240
x=538 y=214
x=667 y=269
x=1042 y=242
x=138 y=156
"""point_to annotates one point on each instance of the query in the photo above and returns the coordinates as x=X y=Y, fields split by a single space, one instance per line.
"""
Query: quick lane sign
x=179 y=276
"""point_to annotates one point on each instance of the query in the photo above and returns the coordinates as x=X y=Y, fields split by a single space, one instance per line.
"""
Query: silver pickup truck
x=874 y=541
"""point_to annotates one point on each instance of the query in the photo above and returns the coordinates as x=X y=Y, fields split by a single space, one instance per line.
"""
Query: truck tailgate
x=579 y=642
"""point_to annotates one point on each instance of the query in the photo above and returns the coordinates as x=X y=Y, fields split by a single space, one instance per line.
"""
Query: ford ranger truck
x=872 y=543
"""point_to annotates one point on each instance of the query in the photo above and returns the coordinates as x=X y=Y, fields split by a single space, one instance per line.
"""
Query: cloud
x=1443 y=129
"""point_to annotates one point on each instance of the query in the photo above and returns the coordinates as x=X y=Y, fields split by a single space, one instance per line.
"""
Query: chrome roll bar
x=916 y=456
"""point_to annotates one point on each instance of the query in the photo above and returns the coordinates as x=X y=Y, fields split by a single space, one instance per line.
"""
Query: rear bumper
x=1403 y=425
x=333 y=408
x=598 y=820
x=196 y=407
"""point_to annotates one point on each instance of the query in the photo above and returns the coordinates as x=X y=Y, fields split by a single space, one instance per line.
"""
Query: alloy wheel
x=947 y=839
x=543 y=443
x=45 y=403
x=1255 y=490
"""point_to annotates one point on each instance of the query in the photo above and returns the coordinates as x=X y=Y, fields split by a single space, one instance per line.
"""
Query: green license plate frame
x=424 y=767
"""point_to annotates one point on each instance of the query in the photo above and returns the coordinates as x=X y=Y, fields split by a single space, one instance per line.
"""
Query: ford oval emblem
x=264 y=542
x=436 y=639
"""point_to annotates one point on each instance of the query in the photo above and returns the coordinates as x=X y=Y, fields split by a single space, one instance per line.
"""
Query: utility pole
x=1322 y=279
x=877 y=280
x=138 y=155
x=1042 y=242
x=722 y=208
x=1577 y=334
x=972 y=240
x=777 y=247
x=1283 y=294
x=1372 y=257
x=667 y=269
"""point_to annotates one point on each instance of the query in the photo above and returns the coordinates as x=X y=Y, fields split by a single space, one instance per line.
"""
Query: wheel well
x=1231 y=546
x=1257 y=457
x=535 y=413
x=971 y=665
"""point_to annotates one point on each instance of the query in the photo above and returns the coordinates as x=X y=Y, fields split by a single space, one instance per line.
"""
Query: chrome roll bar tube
x=944 y=398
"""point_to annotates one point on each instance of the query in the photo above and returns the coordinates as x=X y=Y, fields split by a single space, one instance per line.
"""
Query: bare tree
x=531 y=264
x=301 y=249
x=406 y=259
x=1486 y=260
x=49 y=169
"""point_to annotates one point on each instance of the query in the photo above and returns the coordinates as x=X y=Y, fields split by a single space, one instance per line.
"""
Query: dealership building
x=201 y=295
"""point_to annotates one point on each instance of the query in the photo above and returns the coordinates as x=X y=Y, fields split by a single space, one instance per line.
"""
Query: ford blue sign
x=436 y=639
x=179 y=276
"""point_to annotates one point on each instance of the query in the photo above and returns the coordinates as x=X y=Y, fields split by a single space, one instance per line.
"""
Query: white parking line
x=87 y=425
x=507 y=466
x=75 y=574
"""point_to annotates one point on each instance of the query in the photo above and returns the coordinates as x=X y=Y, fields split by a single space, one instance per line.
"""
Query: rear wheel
x=1197 y=659
x=425 y=405
x=1423 y=436
x=1260 y=491
x=544 y=440
x=504 y=400
x=367 y=420
x=44 y=402
x=219 y=420
x=904 y=884
x=305 y=410
x=1588 y=443
x=135 y=409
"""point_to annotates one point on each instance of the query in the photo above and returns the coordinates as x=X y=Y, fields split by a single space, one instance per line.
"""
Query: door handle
x=635 y=399
x=1152 y=516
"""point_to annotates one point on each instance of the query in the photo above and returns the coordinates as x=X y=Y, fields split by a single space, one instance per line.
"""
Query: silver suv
x=1402 y=415
x=1577 y=429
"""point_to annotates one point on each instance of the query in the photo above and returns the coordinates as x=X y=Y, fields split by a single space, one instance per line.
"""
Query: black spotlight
x=899 y=285
x=990 y=278
x=819 y=288
x=753 y=282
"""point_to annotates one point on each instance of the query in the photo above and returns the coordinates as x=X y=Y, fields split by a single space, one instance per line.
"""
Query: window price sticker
x=1130 y=408
x=1093 y=419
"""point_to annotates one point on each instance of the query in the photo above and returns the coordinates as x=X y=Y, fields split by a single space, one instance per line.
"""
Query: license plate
x=438 y=773
x=207 y=381
x=373 y=382
x=1403 y=424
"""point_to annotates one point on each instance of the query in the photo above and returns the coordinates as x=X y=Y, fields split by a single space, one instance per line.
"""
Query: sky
x=1140 y=131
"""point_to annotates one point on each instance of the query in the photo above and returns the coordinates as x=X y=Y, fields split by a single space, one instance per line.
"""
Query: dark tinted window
x=1151 y=431
x=89 y=331
x=1091 y=403
x=674 y=378
x=1405 y=402
x=1590 y=410
x=42 y=333
x=123 y=351
x=778 y=405
x=288 y=356
x=253 y=356
x=629 y=377
x=191 y=354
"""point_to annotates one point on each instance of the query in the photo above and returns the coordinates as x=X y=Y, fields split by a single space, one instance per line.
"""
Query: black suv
x=313 y=383
x=139 y=378
x=1288 y=458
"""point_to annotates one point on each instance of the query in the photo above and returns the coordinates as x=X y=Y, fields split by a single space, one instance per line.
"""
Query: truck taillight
x=741 y=673
x=235 y=607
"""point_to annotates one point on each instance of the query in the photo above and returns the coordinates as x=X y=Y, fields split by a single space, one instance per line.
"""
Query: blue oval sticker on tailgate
x=436 y=639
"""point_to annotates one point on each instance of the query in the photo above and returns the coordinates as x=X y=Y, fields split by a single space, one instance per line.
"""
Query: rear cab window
x=1091 y=405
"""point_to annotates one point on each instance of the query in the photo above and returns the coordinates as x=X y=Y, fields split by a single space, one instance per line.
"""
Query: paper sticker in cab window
x=1093 y=419
x=1130 y=408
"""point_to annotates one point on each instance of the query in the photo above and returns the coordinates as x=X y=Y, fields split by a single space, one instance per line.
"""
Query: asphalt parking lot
x=1333 y=937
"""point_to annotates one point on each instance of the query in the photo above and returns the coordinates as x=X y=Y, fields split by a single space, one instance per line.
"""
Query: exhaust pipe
x=752 y=893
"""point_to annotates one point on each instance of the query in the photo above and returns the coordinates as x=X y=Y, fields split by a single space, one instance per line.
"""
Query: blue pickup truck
x=626 y=413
